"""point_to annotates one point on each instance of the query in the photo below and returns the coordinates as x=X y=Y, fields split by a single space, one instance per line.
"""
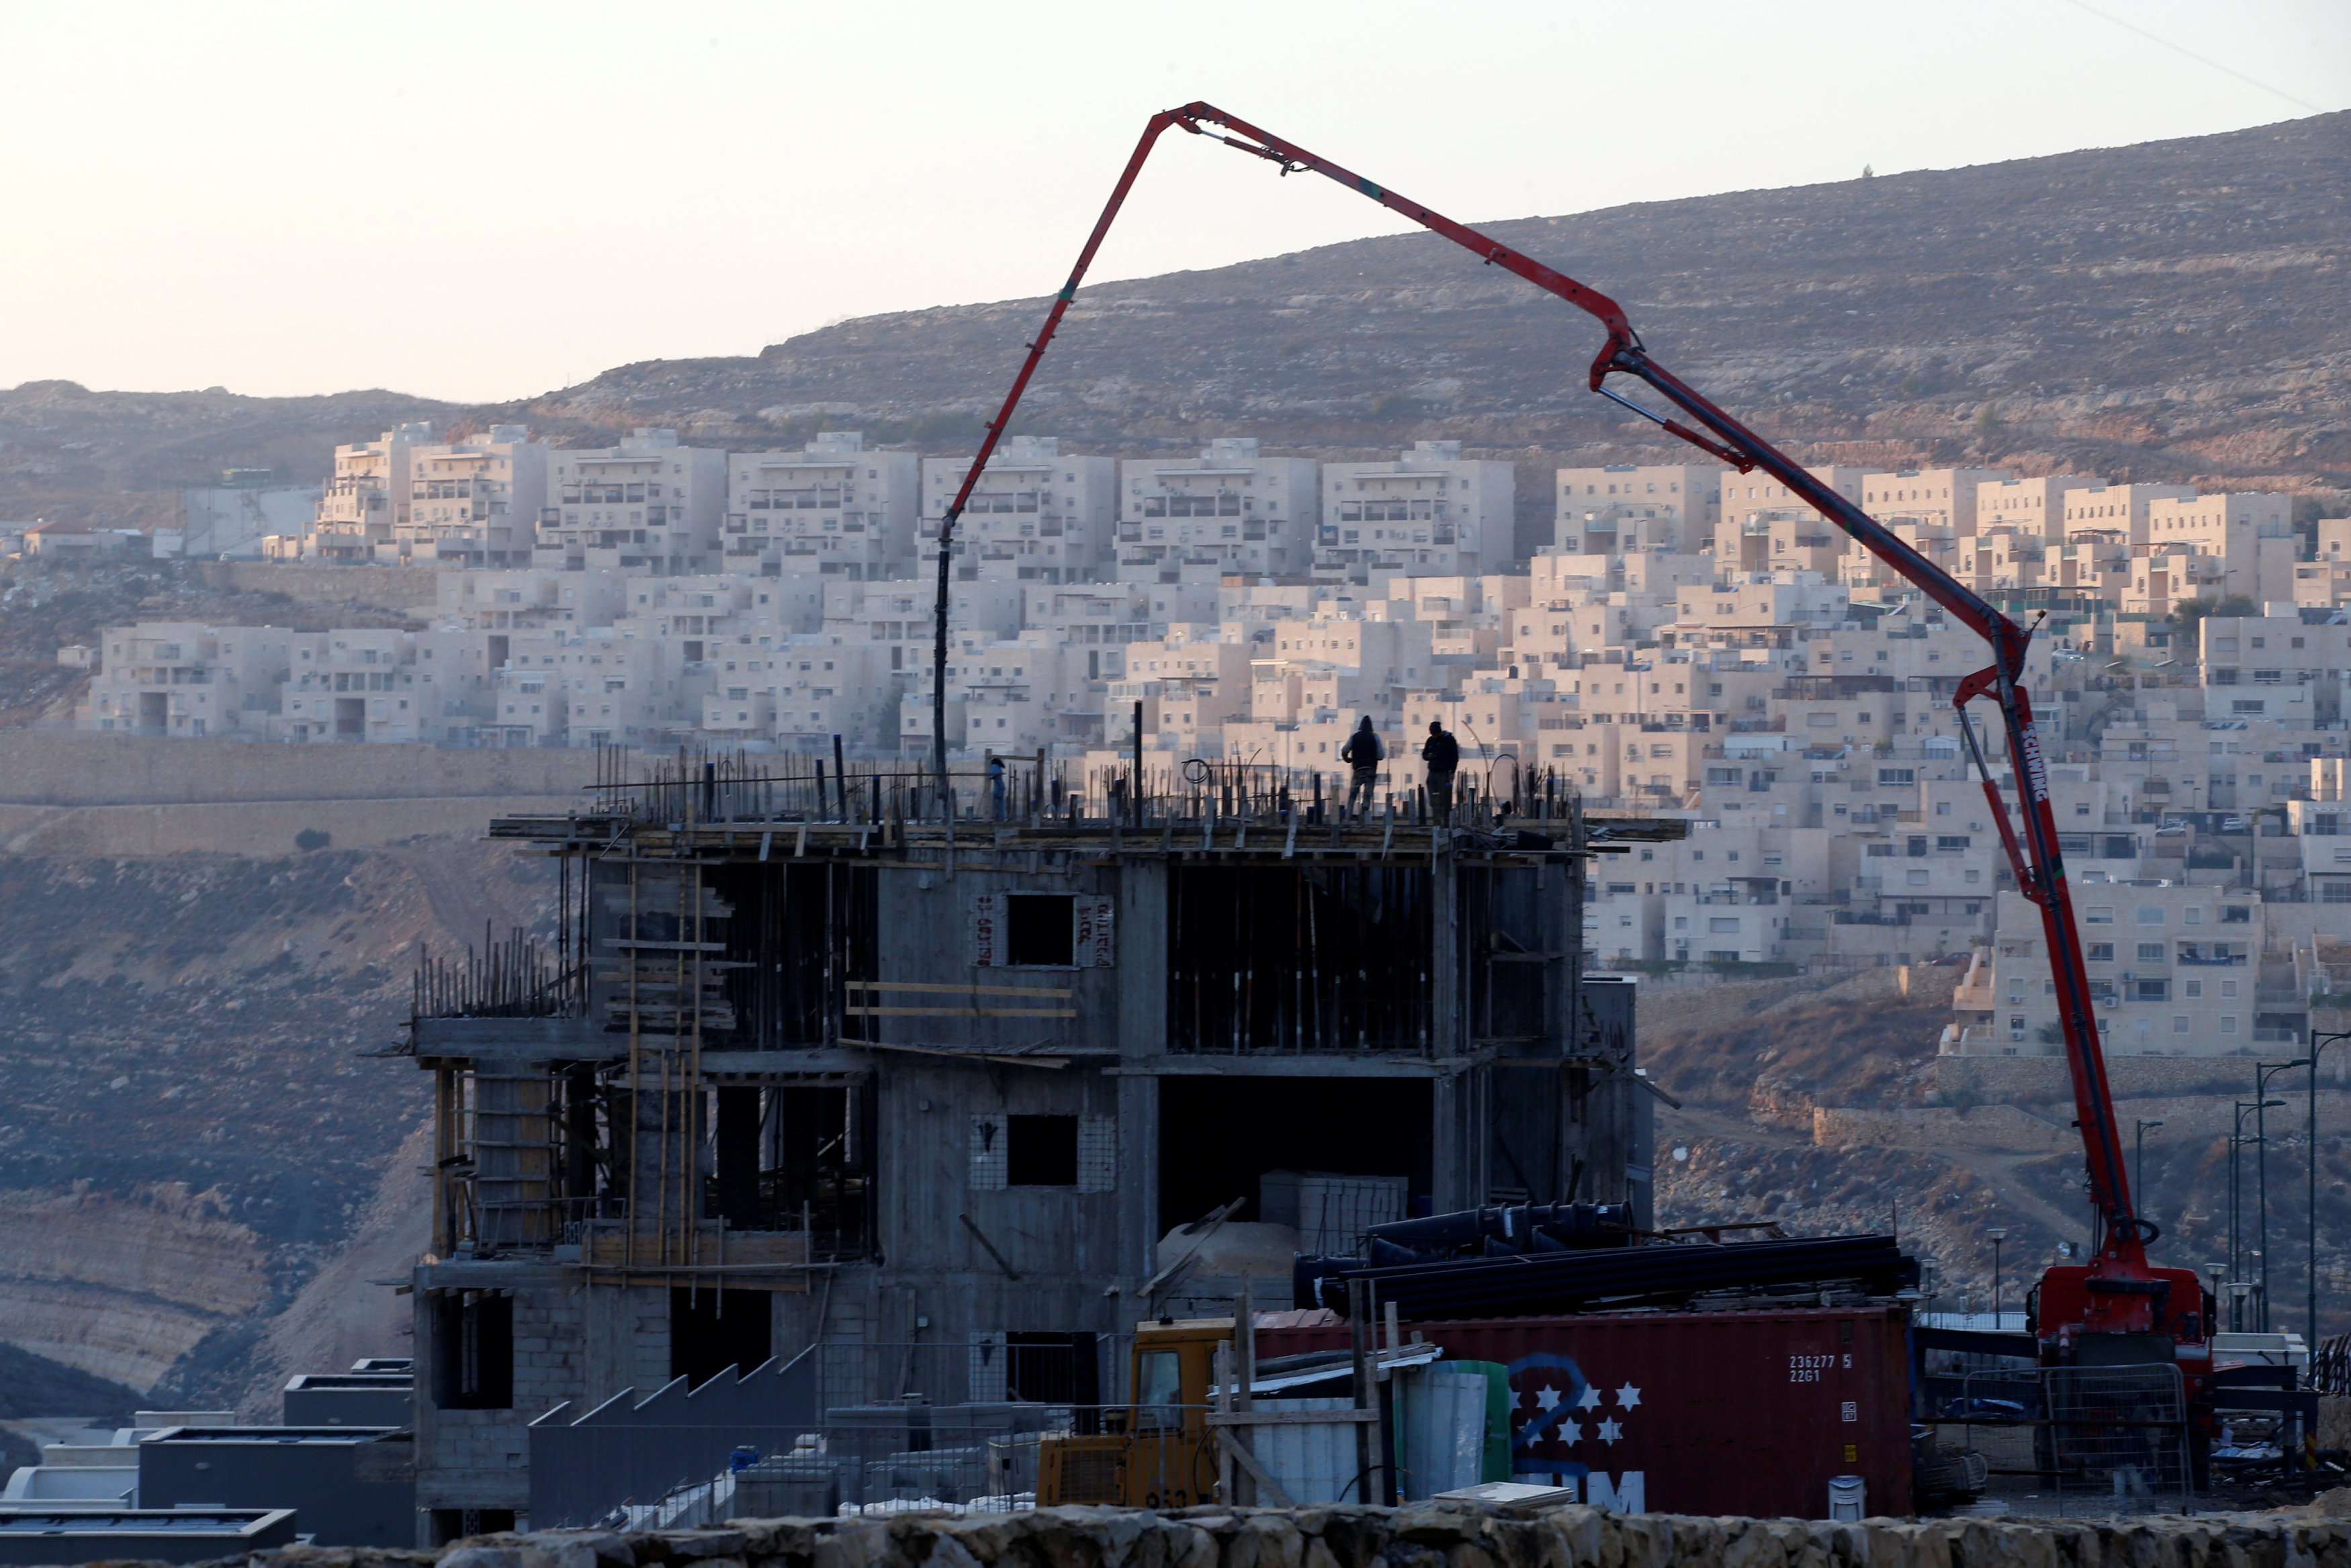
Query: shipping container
x=1708 y=1412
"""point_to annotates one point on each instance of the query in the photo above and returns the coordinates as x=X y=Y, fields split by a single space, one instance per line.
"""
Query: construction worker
x=1442 y=753
x=996 y=783
x=1364 y=754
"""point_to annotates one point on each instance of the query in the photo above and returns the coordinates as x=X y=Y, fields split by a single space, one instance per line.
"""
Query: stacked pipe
x=1582 y=1280
x=1502 y=1232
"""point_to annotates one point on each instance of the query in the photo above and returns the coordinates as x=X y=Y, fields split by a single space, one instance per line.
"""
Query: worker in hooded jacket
x=1442 y=753
x=1364 y=754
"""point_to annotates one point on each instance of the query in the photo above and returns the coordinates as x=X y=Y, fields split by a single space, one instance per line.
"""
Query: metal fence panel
x=2103 y=1438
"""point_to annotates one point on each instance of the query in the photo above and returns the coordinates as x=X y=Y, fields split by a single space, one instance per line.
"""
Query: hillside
x=2168 y=311
x=1752 y=1060
x=191 y=1138
x=2165 y=311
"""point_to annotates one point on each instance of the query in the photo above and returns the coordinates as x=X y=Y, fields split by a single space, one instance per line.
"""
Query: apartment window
x=2150 y=952
x=2150 y=915
x=2227 y=1024
x=2098 y=914
x=2102 y=952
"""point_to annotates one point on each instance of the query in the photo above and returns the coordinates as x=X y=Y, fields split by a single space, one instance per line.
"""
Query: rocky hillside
x=2167 y=311
x=1751 y=1061
x=118 y=458
x=191 y=1136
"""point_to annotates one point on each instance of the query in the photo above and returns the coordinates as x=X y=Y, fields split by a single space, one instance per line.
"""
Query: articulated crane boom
x=2148 y=1311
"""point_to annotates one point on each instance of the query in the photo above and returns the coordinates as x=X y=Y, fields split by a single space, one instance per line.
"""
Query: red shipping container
x=1706 y=1412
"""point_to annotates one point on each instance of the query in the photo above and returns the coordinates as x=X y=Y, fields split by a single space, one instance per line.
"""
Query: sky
x=485 y=201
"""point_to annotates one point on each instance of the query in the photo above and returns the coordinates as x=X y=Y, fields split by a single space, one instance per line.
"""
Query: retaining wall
x=2000 y=1127
x=393 y=587
x=2044 y=1078
x=254 y=827
x=1422 y=1536
x=40 y=767
x=2007 y=1129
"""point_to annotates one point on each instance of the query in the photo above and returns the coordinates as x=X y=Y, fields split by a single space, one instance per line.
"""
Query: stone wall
x=255 y=827
x=393 y=586
x=2044 y=1078
x=1420 y=1536
x=2002 y=1128
x=2008 y=1129
x=46 y=767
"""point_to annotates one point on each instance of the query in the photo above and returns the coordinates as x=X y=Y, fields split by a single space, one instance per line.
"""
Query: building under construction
x=806 y=1061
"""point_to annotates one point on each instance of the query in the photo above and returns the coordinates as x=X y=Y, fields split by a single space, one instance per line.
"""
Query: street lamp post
x=2236 y=1194
x=2261 y=1071
x=2139 y=1160
x=1997 y=1235
x=2318 y=1045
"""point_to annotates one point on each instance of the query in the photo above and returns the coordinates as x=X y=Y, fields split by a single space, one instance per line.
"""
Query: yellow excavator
x=1157 y=1452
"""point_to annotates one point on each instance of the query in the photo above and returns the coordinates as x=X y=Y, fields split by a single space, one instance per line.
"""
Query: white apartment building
x=1656 y=506
x=2215 y=546
x=1230 y=512
x=526 y=598
x=1429 y=514
x=1194 y=682
x=182 y=677
x=816 y=687
x=1761 y=521
x=1940 y=497
x=832 y=509
x=471 y=503
x=1007 y=697
x=2036 y=507
x=362 y=502
x=2174 y=970
x=2095 y=507
x=2276 y=667
x=647 y=504
x=1035 y=515
x=600 y=688
x=357 y=684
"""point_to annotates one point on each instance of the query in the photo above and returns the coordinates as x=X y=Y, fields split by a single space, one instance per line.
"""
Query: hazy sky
x=479 y=201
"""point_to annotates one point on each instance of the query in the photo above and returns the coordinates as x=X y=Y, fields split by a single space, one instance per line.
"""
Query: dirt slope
x=190 y=1138
x=2167 y=311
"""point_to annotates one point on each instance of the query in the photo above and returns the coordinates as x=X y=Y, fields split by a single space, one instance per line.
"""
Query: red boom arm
x=2121 y=1294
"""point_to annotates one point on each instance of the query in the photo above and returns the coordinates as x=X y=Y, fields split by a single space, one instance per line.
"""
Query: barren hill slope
x=2166 y=311
x=189 y=1136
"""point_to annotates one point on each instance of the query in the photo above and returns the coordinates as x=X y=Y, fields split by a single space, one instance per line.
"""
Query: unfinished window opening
x=1330 y=959
x=1053 y=1369
x=472 y=1351
x=1220 y=1138
x=1041 y=930
x=457 y=1523
x=712 y=1330
x=791 y=1156
x=1041 y=1152
x=797 y=934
